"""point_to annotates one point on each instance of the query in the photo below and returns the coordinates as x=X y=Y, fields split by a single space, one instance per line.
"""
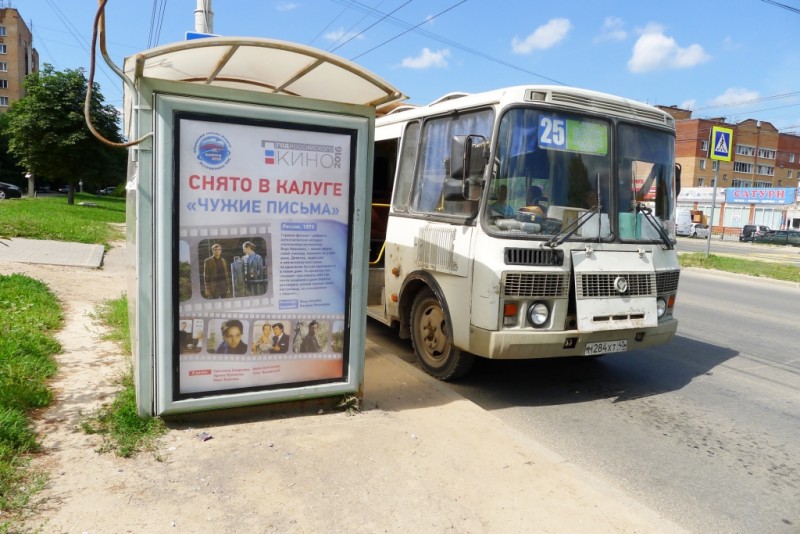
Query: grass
x=50 y=217
x=31 y=315
x=123 y=431
x=764 y=269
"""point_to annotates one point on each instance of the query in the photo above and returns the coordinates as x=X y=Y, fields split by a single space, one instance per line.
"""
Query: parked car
x=9 y=191
x=107 y=191
x=64 y=189
x=751 y=231
x=780 y=237
x=699 y=230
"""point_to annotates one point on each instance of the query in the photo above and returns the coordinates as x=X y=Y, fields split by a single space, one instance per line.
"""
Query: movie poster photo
x=262 y=254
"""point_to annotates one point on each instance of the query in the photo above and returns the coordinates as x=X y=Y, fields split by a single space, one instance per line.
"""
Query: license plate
x=604 y=347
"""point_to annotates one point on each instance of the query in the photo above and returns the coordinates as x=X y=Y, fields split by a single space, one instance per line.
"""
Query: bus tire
x=433 y=340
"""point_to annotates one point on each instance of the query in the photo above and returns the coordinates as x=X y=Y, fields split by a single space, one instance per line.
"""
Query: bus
x=525 y=222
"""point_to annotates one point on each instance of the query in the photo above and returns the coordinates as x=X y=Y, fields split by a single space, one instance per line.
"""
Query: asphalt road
x=706 y=430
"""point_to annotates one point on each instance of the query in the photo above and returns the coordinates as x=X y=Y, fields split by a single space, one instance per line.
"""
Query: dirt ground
x=418 y=458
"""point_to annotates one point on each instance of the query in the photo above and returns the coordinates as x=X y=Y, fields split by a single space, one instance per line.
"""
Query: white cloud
x=613 y=30
x=342 y=35
x=688 y=104
x=543 y=38
x=427 y=59
x=655 y=51
x=734 y=95
x=287 y=6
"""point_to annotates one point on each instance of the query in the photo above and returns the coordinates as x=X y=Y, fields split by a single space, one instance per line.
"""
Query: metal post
x=713 y=206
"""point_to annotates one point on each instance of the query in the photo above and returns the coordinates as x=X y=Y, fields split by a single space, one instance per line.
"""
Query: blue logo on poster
x=213 y=150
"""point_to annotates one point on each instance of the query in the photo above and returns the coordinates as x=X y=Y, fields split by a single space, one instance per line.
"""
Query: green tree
x=10 y=171
x=48 y=134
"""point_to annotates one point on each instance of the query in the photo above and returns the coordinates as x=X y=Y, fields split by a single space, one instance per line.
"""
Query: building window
x=766 y=153
x=3 y=49
x=2 y=31
x=4 y=85
x=704 y=146
x=791 y=158
x=745 y=150
x=763 y=185
x=4 y=101
x=766 y=170
x=715 y=165
x=3 y=66
x=724 y=177
x=713 y=182
x=702 y=164
x=789 y=174
x=700 y=182
x=738 y=166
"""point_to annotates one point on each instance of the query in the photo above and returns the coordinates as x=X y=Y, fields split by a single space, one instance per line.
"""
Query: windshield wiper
x=648 y=215
x=573 y=227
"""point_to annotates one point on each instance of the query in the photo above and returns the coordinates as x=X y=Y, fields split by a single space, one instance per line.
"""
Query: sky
x=736 y=59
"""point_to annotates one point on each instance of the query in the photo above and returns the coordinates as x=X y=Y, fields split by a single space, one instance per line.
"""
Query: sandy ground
x=418 y=458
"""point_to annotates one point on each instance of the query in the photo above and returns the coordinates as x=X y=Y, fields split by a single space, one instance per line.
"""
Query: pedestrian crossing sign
x=721 y=143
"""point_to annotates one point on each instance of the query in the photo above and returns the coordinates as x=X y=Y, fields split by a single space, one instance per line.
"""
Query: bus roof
x=570 y=97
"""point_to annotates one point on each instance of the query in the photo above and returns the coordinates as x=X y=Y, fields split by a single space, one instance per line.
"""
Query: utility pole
x=204 y=17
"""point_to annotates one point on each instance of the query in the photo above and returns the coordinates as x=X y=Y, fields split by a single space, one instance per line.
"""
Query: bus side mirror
x=469 y=155
x=677 y=179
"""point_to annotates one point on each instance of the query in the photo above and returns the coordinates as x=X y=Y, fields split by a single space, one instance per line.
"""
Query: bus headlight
x=661 y=307
x=538 y=314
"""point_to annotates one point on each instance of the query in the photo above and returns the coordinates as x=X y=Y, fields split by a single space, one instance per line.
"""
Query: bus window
x=405 y=174
x=645 y=173
x=552 y=167
x=432 y=170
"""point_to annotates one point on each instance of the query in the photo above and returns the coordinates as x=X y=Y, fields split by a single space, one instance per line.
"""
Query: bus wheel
x=433 y=341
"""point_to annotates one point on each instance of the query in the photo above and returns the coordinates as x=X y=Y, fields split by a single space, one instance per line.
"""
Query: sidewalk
x=51 y=252
x=417 y=458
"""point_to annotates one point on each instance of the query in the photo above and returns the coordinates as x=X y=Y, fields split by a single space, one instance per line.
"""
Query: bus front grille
x=537 y=256
x=541 y=285
x=600 y=285
x=667 y=281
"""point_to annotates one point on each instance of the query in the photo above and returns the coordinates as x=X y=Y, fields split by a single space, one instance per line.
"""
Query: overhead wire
x=73 y=31
x=331 y=23
x=385 y=16
x=359 y=5
x=427 y=20
x=352 y=26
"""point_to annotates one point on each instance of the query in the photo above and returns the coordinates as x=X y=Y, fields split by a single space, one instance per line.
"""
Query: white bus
x=527 y=222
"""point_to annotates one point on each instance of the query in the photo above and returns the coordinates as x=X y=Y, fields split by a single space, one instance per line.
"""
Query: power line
x=449 y=42
x=331 y=23
x=784 y=6
x=386 y=16
x=408 y=30
x=749 y=101
x=350 y=29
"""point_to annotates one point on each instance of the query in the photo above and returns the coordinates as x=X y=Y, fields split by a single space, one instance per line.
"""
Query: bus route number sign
x=559 y=133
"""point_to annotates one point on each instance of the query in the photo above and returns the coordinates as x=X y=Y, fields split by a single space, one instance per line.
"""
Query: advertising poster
x=262 y=217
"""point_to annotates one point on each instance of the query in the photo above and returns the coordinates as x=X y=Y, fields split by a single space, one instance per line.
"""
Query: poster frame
x=166 y=107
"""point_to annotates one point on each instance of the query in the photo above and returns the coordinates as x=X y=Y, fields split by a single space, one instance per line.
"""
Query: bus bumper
x=529 y=343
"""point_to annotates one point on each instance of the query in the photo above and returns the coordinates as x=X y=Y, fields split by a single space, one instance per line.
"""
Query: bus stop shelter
x=248 y=196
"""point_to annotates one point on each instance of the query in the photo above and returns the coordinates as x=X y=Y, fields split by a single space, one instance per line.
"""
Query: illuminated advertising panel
x=261 y=213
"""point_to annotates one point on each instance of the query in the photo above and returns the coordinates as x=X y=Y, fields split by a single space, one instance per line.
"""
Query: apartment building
x=18 y=58
x=758 y=185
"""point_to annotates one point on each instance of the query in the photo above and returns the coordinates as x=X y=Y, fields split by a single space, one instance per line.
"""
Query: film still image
x=311 y=336
x=271 y=337
x=190 y=335
x=233 y=267
x=227 y=336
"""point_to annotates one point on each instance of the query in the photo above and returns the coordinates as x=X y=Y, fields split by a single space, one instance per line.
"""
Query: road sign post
x=721 y=145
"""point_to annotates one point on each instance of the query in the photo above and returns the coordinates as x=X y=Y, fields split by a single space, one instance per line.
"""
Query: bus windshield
x=552 y=174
